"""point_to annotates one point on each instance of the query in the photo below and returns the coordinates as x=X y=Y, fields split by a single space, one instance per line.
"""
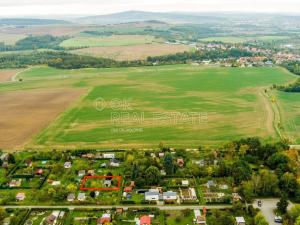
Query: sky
x=13 y=8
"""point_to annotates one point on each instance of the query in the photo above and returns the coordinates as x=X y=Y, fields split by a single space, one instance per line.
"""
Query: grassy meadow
x=180 y=105
x=289 y=105
x=106 y=41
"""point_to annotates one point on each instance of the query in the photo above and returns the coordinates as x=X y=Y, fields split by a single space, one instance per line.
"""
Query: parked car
x=278 y=219
x=259 y=203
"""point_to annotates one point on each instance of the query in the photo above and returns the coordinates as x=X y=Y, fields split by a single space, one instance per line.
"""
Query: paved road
x=267 y=209
x=161 y=207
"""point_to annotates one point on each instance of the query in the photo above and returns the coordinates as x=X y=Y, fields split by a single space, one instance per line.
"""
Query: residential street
x=267 y=209
x=161 y=207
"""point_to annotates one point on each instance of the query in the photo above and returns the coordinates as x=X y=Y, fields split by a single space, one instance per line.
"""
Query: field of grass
x=115 y=40
x=233 y=39
x=180 y=105
x=132 y=52
x=289 y=105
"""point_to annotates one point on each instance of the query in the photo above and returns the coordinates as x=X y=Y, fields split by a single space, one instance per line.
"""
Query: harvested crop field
x=133 y=52
x=24 y=113
x=6 y=75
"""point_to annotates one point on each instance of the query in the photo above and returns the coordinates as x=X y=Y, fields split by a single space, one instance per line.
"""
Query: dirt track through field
x=269 y=113
x=25 y=113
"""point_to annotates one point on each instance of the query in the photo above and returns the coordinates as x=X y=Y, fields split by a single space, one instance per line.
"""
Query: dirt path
x=269 y=112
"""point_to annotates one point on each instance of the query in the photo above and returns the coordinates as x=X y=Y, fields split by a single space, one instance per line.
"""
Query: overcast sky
x=92 y=7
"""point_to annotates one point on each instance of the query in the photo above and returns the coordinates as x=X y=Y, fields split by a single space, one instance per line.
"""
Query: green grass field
x=180 y=105
x=115 y=40
x=232 y=39
x=289 y=104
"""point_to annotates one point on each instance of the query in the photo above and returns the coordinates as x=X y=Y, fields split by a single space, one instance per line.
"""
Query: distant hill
x=138 y=16
x=28 y=21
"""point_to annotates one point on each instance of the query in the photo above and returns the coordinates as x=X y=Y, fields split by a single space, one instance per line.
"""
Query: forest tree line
x=64 y=60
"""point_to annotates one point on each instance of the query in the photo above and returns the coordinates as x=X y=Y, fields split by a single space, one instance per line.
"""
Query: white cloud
x=85 y=7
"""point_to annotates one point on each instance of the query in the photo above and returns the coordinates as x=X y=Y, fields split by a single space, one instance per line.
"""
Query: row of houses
x=111 y=163
x=156 y=195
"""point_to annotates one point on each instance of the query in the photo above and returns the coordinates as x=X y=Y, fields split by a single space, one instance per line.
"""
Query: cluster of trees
x=295 y=87
x=257 y=169
x=292 y=66
x=186 y=57
x=278 y=173
x=63 y=60
x=35 y=42
x=145 y=171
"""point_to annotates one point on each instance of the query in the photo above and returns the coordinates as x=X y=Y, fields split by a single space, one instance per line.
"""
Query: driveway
x=267 y=209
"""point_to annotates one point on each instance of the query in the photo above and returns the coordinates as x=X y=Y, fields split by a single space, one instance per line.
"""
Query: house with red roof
x=145 y=220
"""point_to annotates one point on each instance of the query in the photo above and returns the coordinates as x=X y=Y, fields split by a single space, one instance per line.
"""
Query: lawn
x=106 y=41
x=289 y=105
x=177 y=217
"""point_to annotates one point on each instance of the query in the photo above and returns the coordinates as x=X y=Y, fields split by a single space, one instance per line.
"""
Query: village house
x=52 y=218
x=129 y=188
x=180 y=162
x=91 y=172
x=39 y=172
x=185 y=183
x=169 y=196
x=71 y=197
x=211 y=184
x=107 y=183
x=199 y=219
x=67 y=165
x=4 y=157
x=152 y=195
x=144 y=220
x=163 y=172
x=161 y=154
x=240 y=221
x=114 y=163
x=55 y=183
x=81 y=173
x=236 y=197
x=20 y=196
x=88 y=156
x=81 y=197
x=103 y=165
x=108 y=155
x=15 y=183
x=105 y=218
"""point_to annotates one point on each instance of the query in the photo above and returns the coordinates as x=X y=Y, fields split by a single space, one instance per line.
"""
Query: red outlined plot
x=86 y=178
